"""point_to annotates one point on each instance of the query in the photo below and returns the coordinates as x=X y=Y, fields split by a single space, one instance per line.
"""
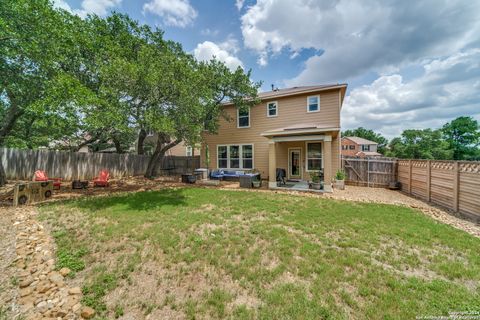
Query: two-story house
x=359 y=147
x=296 y=129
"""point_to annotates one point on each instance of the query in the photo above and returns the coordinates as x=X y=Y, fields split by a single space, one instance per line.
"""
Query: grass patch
x=228 y=254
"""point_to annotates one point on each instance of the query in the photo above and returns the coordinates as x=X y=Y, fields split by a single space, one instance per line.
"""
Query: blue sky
x=408 y=64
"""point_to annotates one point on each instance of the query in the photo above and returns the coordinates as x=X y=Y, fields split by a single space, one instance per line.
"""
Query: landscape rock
x=64 y=271
x=87 y=313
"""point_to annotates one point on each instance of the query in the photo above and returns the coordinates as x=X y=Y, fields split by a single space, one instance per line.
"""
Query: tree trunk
x=141 y=141
x=3 y=176
x=118 y=145
x=161 y=148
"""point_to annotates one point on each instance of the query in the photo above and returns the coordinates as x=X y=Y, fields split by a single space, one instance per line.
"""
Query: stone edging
x=43 y=292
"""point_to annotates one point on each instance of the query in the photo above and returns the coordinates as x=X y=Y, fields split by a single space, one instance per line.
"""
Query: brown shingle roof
x=295 y=90
x=359 y=140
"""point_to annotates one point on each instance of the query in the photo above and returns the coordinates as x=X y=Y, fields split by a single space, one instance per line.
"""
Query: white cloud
x=239 y=4
x=357 y=36
x=224 y=52
x=445 y=91
x=209 y=32
x=98 y=7
x=178 y=13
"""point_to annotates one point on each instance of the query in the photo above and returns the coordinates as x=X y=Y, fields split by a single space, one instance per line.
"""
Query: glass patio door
x=294 y=164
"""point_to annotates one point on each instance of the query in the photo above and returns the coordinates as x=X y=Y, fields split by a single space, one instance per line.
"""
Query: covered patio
x=302 y=150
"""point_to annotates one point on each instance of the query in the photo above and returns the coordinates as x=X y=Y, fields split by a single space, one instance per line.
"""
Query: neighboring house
x=180 y=150
x=296 y=129
x=359 y=147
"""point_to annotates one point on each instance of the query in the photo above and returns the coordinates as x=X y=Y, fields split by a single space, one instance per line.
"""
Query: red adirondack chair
x=102 y=179
x=41 y=175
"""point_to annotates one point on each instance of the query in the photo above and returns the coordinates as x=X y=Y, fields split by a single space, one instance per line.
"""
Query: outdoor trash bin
x=246 y=180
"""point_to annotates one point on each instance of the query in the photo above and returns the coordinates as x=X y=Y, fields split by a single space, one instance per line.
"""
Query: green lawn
x=206 y=253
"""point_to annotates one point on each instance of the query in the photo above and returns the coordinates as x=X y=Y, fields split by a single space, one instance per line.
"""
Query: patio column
x=272 y=164
x=327 y=164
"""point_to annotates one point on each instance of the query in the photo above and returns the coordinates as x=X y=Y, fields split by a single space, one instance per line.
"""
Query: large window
x=222 y=155
x=314 y=156
x=272 y=109
x=365 y=147
x=239 y=156
x=351 y=147
x=243 y=118
x=313 y=104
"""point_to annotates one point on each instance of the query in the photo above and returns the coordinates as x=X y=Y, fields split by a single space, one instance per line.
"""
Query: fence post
x=410 y=176
x=429 y=180
x=456 y=188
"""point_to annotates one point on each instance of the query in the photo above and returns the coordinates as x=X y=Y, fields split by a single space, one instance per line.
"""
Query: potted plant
x=256 y=180
x=316 y=183
x=340 y=180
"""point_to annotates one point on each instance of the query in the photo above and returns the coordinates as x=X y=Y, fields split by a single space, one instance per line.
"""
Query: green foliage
x=420 y=144
x=340 y=174
x=69 y=255
x=463 y=138
x=369 y=135
x=93 y=292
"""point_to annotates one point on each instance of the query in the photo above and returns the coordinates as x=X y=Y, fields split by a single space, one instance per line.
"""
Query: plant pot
x=316 y=185
x=340 y=184
x=257 y=183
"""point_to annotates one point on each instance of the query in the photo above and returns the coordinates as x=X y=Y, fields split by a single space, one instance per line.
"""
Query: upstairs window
x=351 y=147
x=189 y=151
x=313 y=104
x=365 y=147
x=272 y=109
x=243 y=118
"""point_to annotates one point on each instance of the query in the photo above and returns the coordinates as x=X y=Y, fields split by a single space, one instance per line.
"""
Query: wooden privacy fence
x=452 y=184
x=369 y=172
x=20 y=164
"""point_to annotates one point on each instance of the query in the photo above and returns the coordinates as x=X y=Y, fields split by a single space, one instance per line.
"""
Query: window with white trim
x=235 y=156
x=365 y=147
x=314 y=156
x=222 y=156
x=243 y=118
x=272 y=109
x=188 y=151
x=313 y=103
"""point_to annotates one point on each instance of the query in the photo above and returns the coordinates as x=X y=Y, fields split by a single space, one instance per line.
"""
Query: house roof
x=299 y=128
x=278 y=93
x=368 y=153
x=359 y=140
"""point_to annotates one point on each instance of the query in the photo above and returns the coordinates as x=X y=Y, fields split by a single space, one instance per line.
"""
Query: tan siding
x=291 y=110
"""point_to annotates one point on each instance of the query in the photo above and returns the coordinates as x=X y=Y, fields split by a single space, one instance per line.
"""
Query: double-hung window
x=243 y=118
x=189 y=151
x=365 y=147
x=314 y=156
x=222 y=156
x=313 y=103
x=272 y=109
x=238 y=156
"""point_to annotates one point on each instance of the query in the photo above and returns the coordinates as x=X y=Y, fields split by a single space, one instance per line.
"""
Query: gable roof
x=278 y=93
x=359 y=140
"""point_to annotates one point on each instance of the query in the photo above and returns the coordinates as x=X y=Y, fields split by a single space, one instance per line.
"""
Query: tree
x=36 y=42
x=369 y=135
x=463 y=137
x=419 y=144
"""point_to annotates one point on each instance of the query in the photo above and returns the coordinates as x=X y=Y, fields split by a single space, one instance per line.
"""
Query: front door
x=294 y=163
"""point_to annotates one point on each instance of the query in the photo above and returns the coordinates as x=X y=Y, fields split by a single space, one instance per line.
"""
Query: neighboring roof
x=369 y=153
x=299 y=128
x=278 y=93
x=359 y=140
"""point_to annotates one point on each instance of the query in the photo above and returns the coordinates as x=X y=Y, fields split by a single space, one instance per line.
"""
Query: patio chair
x=102 y=179
x=281 y=175
x=41 y=175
